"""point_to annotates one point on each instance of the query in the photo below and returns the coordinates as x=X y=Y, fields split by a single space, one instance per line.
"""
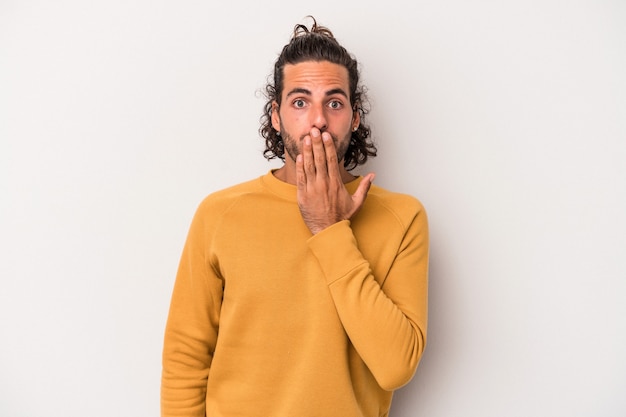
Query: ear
x=356 y=119
x=275 y=116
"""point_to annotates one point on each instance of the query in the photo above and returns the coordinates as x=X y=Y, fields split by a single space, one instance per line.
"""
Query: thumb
x=359 y=196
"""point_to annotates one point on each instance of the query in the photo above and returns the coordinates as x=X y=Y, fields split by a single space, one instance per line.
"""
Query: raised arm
x=384 y=316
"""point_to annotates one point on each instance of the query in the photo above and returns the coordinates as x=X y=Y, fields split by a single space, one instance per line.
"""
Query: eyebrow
x=298 y=90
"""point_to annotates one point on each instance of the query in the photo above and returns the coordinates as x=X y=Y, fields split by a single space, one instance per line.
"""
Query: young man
x=303 y=292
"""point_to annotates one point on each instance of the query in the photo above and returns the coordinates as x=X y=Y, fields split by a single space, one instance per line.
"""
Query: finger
x=300 y=174
x=331 y=155
x=319 y=155
x=307 y=159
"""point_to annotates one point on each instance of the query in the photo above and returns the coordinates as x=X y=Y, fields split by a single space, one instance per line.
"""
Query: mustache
x=334 y=137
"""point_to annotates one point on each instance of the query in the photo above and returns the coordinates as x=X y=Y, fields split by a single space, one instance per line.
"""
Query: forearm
x=182 y=395
x=186 y=365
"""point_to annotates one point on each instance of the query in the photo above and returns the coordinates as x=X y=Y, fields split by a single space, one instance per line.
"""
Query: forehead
x=315 y=75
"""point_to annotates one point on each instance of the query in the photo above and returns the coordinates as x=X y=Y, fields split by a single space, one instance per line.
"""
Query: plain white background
x=506 y=118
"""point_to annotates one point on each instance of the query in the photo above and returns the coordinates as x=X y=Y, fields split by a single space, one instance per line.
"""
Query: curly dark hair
x=317 y=44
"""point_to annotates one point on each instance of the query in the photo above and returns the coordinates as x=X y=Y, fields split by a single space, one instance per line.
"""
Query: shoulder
x=404 y=207
x=220 y=201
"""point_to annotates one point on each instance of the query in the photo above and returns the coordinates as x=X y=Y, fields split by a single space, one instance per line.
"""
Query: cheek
x=294 y=121
x=344 y=123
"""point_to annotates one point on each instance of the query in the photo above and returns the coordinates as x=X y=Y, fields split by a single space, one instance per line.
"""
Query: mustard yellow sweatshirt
x=268 y=320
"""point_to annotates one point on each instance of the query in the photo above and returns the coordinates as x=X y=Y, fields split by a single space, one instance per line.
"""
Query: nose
x=318 y=117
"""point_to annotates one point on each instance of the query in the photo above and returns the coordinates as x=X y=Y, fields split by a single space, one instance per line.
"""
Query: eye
x=299 y=103
x=335 y=104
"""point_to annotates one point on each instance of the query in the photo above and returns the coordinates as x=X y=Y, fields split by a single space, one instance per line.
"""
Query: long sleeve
x=191 y=331
x=324 y=325
x=385 y=317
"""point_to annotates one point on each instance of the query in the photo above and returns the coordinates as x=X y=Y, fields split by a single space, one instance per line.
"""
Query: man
x=303 y=292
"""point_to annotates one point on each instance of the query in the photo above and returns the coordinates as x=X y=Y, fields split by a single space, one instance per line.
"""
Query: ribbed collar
x=288 y=191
